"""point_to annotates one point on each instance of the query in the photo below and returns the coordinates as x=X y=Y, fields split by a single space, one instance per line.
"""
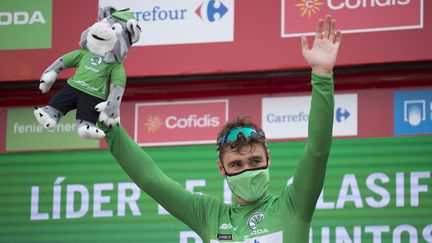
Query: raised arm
x=309 y=177
x=148 y=176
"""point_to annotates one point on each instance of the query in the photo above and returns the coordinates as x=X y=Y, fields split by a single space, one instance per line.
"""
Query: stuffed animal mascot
x=96 y=88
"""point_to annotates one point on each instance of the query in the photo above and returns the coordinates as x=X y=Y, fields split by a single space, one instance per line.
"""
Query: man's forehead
x=246 y=150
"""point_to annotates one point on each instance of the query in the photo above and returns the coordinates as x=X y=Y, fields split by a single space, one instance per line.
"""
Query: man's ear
x=220 y=167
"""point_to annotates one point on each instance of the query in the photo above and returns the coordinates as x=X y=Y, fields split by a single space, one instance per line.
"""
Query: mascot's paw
x=108 y=116
x=44 y=119
x=46 y=81
x=90 y=132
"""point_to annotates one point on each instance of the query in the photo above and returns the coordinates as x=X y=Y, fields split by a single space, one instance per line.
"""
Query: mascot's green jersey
x=272 y=219
x=93 y=74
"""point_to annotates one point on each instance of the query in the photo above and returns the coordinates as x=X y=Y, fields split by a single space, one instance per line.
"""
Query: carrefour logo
x=342 y=114
x=211 y=10
x=166 y=22
x=288 y=117
x=158 y=13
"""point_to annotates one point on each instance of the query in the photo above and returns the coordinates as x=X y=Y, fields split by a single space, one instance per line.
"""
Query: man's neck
x=241 y=201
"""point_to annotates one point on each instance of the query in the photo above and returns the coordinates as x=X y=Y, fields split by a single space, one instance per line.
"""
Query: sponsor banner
x=21 y=20
x=23 y=133
x=171 y=123
x=180 y=22
x=375 y=195
x=287 y=117
x=299 y=16
x=252 y=43
x=346 y=115
x=413 y=112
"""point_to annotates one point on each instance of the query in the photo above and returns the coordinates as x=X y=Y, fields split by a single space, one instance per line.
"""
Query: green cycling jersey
x=93 y=75
x=282 y=218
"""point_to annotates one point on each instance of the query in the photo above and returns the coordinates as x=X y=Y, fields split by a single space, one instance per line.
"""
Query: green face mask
x=249 y=185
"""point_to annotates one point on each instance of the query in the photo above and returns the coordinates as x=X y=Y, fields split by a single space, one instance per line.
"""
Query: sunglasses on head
x=233 y=134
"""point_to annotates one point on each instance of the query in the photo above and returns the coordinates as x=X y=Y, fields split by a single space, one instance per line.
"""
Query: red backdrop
x=257 y=46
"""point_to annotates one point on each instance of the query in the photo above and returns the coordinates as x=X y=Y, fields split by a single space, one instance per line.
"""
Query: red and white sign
x=167 y=22
x=299 y=16
x=179 y=123
x=288 y=117
x=245 y=36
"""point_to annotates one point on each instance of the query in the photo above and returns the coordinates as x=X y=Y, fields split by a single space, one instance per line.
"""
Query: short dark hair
x=241 y=140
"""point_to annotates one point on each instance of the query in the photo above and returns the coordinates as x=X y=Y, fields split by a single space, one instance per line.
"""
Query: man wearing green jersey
x=255 y=216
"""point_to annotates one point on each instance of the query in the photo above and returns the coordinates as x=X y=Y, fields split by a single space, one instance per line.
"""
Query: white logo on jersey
x=227 y=227
x=95 y=60
x=255 y=219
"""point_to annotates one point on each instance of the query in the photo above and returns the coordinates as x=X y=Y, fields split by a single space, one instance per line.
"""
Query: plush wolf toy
x=99 y=66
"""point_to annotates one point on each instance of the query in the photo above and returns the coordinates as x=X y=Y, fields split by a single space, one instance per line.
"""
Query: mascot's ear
x=120 y=49
x=83 y=40
x=106 y=12
x=110 y=57
x=134 y=29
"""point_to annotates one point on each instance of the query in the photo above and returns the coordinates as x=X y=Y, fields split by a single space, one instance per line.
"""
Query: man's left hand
x=322 y=56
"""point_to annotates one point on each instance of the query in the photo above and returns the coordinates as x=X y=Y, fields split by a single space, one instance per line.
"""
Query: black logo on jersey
x=224 y=236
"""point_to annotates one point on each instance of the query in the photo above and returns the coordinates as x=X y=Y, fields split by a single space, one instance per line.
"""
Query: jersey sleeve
x=190 y=208
x=302 y=195
x=72 y=59
x=118 y=75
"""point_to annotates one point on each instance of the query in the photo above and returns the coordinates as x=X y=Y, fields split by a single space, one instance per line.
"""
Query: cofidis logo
x=299 y=16
x=166 y=22
x=176 y=123
x=22 y=20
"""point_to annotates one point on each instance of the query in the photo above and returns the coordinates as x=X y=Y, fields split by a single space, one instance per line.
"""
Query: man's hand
x=322 y=57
